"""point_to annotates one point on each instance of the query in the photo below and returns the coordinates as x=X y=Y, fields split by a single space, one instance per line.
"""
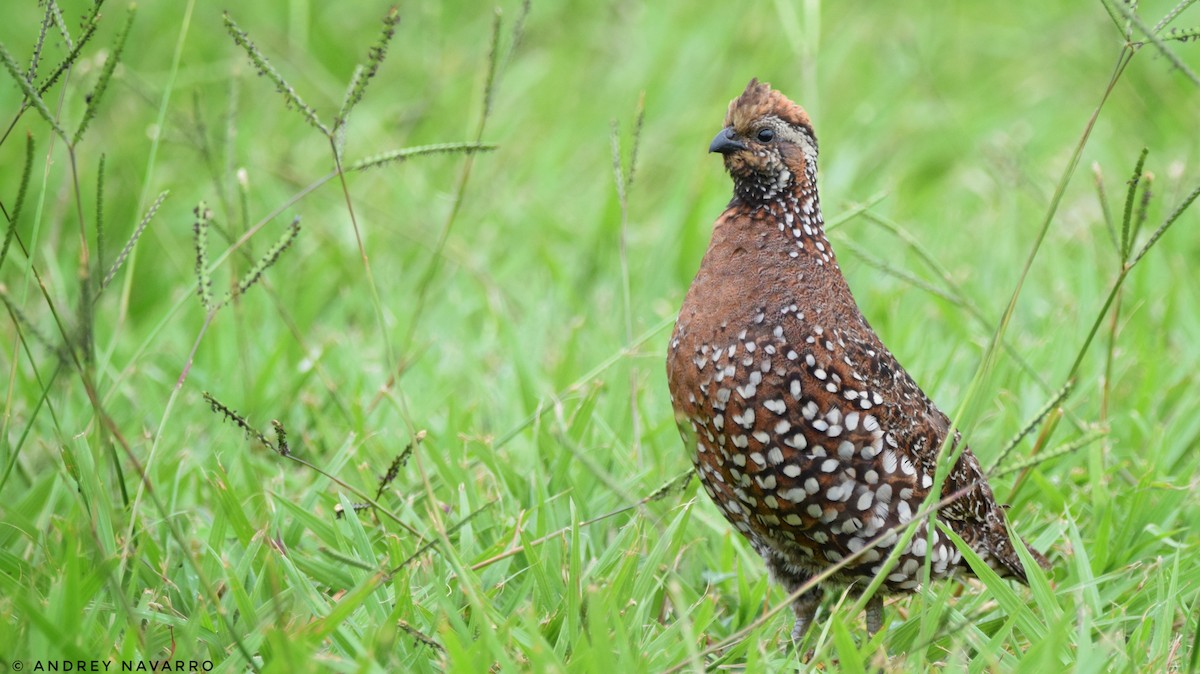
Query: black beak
x=725 y=142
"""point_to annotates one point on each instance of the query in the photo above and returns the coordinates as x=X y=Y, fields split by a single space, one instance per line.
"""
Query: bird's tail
x=1007 y=562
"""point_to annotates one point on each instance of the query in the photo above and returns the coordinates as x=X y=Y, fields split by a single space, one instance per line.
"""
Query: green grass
x=496 y=315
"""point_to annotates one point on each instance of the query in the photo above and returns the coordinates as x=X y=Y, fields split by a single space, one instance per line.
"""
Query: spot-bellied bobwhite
x=807 y=433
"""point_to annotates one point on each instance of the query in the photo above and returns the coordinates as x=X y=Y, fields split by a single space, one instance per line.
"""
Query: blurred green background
x=524 y=323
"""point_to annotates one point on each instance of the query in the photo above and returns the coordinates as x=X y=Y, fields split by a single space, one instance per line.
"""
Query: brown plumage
x=804 y=429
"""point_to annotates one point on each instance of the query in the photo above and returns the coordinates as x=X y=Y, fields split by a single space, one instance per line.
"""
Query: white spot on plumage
x=795 y=495
x=797 y=441
x=745 y=419
x=919 y=546
x=864 y=501
x=889 y=461
x=884 y=493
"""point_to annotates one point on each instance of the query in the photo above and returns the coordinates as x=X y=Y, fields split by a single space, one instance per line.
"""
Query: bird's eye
x=765 y=135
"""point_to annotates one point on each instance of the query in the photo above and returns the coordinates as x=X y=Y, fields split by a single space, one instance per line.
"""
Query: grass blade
x=31 y=95
x=11 y=230
x=375 y=58
x=403 y=154
x=137 y=233
x=265 y=262
x=264 y=68
x=110 y=65
x=1130 y=197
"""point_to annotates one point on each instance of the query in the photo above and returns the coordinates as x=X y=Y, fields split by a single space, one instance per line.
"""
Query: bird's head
x=768 y=144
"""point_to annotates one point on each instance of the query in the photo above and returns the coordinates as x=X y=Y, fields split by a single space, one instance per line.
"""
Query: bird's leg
x=874 y=615
x=792 y=577
x=805 y=607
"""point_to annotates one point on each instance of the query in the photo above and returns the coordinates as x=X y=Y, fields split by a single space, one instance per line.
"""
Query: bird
x=810 y=437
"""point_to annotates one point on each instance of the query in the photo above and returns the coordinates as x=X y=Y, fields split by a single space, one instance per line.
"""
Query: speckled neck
x=795 y=212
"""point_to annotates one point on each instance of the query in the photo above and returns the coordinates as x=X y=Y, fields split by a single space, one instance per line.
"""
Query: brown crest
x=760 y=100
